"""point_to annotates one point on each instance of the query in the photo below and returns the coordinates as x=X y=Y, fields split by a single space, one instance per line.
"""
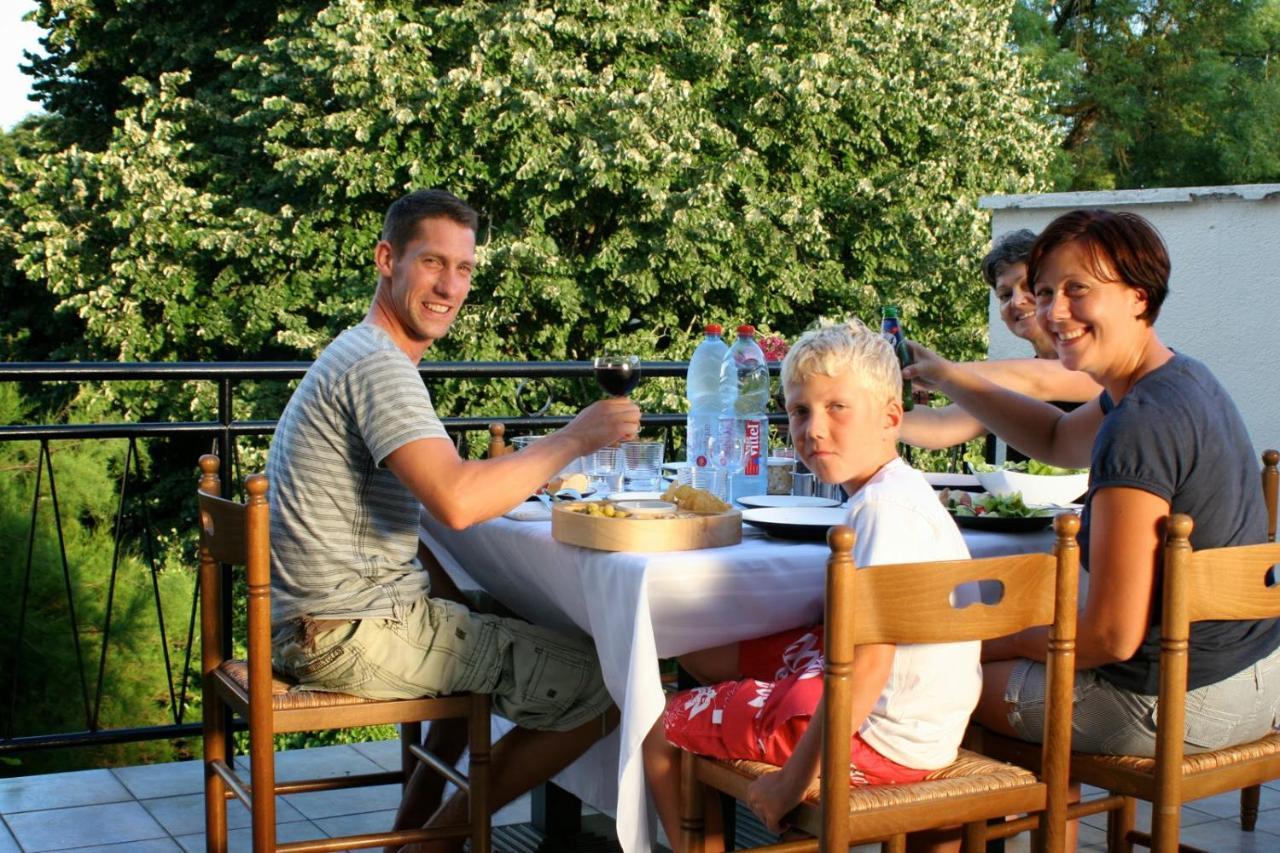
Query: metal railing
x=222 y=434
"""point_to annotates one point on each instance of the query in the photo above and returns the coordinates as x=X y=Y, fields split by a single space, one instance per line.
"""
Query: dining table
x=640 y=607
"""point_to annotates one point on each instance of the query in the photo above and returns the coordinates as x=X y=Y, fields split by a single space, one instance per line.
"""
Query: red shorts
x=776 y=656
x=763 y=721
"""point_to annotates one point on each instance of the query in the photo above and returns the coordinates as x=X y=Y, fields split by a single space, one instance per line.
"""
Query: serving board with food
x=694 y=519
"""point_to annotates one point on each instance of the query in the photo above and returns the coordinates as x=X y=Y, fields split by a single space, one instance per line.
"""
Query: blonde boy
x=911 y=703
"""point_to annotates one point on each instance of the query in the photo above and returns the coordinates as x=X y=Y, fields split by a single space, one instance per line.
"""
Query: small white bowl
x=634 y=496
x=648 y=507
x=1036 y=489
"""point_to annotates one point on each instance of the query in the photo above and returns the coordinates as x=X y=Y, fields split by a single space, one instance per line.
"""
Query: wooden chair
x=497 y=441
x=1251 y=795
x=1219 y=584
x=910 y=603
x=238 y=534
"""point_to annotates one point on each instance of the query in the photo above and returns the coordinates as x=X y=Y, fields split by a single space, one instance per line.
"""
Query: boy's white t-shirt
x=922 y=712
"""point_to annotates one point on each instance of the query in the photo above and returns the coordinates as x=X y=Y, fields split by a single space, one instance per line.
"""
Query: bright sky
x=16 y=35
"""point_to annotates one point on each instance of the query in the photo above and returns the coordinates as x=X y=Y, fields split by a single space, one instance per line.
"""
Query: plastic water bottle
x=702 y=389
x=744 y=396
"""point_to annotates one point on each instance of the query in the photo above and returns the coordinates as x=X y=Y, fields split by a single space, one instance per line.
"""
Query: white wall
x=1224 y=289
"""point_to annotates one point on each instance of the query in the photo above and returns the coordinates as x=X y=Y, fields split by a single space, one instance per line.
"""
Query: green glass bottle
x=891 y=329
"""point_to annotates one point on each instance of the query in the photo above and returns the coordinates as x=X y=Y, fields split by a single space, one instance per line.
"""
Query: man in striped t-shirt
x=358 y=451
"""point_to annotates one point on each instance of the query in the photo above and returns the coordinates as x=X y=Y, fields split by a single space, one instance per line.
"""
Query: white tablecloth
x=640 y=607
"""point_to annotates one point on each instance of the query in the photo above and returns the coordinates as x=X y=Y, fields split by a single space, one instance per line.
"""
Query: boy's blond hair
x=831 y=348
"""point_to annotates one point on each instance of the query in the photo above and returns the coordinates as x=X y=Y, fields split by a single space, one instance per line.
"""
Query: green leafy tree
x=642 y=167
x=1151 y=93
x=209 y=182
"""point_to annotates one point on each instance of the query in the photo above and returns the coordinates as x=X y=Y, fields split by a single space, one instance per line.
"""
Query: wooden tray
x=645 y=534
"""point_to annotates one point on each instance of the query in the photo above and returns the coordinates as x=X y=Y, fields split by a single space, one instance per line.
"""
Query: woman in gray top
x=1163 y=437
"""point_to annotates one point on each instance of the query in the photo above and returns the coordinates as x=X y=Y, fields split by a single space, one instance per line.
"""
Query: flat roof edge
x=1115 y=198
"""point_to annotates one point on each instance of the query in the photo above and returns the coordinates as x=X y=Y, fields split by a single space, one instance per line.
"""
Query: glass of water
x=642 y=466
x=602 y=468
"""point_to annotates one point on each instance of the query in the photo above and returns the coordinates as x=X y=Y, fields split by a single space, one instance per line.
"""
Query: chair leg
x=262 y=772
x=975 y=837
x=215 y=800
x=410 y=733
x=478 y=773
x=894 y=844
x=691 y=805
x=1165 y=826
x=1249 y=798
x=1120 y=823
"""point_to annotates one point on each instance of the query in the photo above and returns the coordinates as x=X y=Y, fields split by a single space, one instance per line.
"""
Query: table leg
x=554 y=811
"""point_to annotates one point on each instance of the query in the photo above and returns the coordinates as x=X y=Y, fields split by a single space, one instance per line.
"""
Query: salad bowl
x=1043 y=485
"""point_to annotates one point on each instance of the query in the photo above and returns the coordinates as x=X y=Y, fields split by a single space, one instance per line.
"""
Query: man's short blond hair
x=830 y=349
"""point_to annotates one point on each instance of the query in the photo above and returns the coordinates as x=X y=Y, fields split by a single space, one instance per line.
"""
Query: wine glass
x=617 y=375
x=725 y=448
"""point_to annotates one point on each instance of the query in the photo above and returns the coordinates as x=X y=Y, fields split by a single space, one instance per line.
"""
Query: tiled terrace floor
x=159 y=808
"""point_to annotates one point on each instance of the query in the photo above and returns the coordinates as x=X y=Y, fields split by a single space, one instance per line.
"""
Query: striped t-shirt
x=344 y=530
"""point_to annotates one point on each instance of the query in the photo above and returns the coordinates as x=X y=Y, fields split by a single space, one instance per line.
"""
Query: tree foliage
x=642 y=167
x=1151 y=93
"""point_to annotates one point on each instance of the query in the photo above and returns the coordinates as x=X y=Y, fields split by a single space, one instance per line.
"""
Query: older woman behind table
x=1005 y=270
x=1163 y=437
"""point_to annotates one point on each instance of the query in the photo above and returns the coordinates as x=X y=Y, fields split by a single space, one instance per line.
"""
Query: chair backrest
x=497 y=441
x=1270 y=478
x=925 y=603
x=237 y=534
x=1214 y=583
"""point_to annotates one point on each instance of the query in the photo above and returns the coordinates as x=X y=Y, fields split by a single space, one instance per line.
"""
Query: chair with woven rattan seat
x=913 y=603
x=1251 y=795
x=1129 y=778
x=237 y=534
x=1212 y=584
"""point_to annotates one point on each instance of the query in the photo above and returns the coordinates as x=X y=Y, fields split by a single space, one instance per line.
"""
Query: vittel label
x=751 y=446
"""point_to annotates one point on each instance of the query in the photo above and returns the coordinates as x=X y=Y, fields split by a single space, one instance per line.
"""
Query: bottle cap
x=712 y=329
x=889 y=310
x=746 y=330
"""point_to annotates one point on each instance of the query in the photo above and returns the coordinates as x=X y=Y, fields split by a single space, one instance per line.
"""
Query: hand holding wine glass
x=617 y=375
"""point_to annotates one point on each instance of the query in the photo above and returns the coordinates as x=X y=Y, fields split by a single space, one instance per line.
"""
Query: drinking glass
x=725 y=451
x=713 y=480
x=602 y=468
x=642 y=465
x=617 y=375
x=520 y=442
x=725 y=448
x=781 y=472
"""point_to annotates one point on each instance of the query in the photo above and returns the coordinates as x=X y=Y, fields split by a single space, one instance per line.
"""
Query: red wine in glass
x=617 y=375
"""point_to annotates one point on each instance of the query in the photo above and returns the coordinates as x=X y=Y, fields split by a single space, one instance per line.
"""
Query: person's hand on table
x=604 y=422
x=774 y=795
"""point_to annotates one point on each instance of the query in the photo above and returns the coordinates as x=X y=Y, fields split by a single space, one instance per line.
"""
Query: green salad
x=1030 y=466
x=996 y=506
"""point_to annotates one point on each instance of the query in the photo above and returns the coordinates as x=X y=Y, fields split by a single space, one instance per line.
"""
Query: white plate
x=785 y=522
x=635 y=496
x=786 y=500
x=530 y=512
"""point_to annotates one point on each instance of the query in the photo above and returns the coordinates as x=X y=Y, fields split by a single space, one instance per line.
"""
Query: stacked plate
x=796 y=522
x=764 y=501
